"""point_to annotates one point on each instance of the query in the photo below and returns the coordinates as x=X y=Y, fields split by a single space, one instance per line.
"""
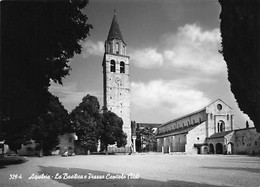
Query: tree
x=46 y=129
x=145 y=139
x=87 y=122
x=15 y=141
x=112 y=131
x=55 y=122
x=240 y=28
x=37 y=40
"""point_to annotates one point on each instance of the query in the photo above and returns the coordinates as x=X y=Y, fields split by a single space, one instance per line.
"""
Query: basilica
x=209 y=130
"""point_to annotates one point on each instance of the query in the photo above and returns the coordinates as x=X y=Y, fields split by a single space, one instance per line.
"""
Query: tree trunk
x=106 y=150
x=41 y=150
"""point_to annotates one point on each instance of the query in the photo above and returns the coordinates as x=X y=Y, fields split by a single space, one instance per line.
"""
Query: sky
x=175 y=64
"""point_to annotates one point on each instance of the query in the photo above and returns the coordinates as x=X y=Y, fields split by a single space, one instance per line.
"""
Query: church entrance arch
x=205 y=150
x=219 y=148
x=211 y=148
x=198 y=150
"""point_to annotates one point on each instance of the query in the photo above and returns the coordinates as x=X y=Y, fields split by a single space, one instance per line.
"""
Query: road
x=134 y=170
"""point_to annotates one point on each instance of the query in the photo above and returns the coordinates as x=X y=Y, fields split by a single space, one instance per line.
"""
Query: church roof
x=190 y=114
x=114 y=31
x=180 y=118
x=220 y=134
x=221 y=101
x=149 y=125
x=182 y=130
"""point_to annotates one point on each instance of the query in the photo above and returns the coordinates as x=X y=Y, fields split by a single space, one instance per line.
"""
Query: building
x=116 y=83
x=3 y=147
x=207 y=131
x=244 y=141
x=31 y=148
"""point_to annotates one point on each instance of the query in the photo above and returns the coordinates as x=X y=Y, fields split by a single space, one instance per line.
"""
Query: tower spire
x=114 y=31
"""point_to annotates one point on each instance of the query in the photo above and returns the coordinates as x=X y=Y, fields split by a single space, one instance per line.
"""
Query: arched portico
x=219 y=148
x=211 y=149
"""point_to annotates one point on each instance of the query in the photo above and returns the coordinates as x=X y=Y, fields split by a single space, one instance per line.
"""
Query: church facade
x=116 y=84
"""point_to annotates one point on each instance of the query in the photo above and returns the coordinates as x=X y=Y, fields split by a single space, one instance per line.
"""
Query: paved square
x=134 y=170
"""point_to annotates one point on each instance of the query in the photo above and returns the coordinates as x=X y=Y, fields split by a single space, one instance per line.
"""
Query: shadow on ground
x=252 y=170
x=57 y=171
x=11 y=160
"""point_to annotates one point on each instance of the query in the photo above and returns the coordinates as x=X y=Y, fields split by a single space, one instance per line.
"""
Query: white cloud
x=194 y=49
x=190 y=48
x=146 y=58
x=69 y=95
x=177 y=96
x=92 y=48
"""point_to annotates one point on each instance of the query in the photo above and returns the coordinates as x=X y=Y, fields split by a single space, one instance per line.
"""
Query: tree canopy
x=112 y=130
x=55 y=122
x=91 y=126
x=37 y=40
x=87 y=122
x=240 y=28
x=145 y=139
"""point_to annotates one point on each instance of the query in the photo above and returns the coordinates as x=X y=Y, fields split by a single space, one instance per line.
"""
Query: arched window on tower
x=122 y=67
x=117 y=48
x=113 y=66
x=221 y=126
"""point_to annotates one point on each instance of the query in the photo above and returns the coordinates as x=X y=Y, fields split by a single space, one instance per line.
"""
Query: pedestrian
x=131 y=149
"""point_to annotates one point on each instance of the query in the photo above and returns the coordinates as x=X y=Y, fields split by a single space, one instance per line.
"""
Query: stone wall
x=196 y=136
x=247 y=141
x=175 y=143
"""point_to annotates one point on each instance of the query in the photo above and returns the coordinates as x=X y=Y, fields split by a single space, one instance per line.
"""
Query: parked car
x=68 y=153
x=71 y=153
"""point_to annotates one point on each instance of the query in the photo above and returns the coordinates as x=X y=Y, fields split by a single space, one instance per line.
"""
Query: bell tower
x=116 y=83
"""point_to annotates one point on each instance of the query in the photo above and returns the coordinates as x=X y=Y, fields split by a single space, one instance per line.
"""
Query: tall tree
x=51 y=124
x=37 y=40
x=240 y=28
x=112 y=130
x=87 y=122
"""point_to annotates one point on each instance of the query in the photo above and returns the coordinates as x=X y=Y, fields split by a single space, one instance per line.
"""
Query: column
x=134 y=146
